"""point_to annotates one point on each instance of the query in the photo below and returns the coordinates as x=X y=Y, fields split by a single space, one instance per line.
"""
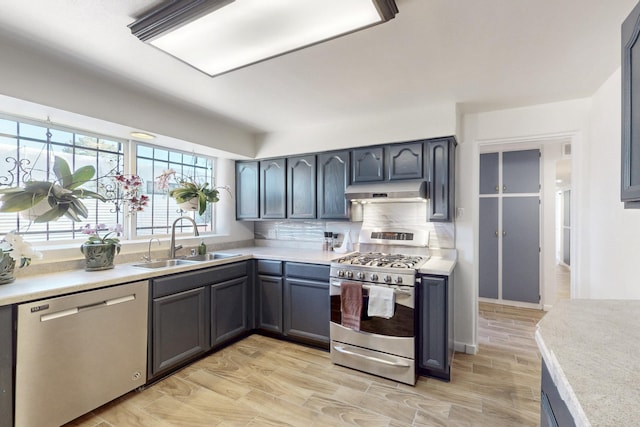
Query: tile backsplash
x=412 y=215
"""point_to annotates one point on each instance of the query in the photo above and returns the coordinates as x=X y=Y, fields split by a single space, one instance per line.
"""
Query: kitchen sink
x=194 y=259
x=210 y=256
x=165 y=263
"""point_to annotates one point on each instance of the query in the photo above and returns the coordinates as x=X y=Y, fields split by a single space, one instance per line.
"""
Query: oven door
x=400 y=325
x=384 y=347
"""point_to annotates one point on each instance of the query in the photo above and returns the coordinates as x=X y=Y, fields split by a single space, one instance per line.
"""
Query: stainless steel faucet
x=147 y=257
x=172 y=245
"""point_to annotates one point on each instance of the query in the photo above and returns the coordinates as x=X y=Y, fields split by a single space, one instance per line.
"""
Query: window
x=27 y=151
x=163 y=210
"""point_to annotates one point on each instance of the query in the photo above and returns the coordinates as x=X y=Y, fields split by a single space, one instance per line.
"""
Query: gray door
x=521 y=171
x=489 y=183
x=521 y=249
x=488 y=253
x=566 y=228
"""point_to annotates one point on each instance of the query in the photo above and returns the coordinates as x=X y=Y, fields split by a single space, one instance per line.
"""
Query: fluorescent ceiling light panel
x=243 y=32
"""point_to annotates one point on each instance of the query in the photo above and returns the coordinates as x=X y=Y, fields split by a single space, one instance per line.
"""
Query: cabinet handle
x=504 y=188
x=496 y=233
x=497 y=188
x=504 y=233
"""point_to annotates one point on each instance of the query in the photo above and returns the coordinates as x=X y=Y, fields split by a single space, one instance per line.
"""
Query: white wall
x=536 y=124
x=398 y=126
x=609 y=265
x=46 y=78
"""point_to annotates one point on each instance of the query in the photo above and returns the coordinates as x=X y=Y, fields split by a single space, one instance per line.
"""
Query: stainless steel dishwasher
x=78 y=352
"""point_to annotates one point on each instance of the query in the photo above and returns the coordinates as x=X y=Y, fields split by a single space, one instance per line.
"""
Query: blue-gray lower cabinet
x=6 y=366
x=307 y=308
x=435 y=326
x=229 y=304
x=553 y=410
x=179 y=329
x=269 y=284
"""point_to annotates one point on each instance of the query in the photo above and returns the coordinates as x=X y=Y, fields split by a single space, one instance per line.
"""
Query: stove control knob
x=399 y=279
x=387 y=279
x=374 y=277
x=340 y=273
x=360 y=275
x=350 y=274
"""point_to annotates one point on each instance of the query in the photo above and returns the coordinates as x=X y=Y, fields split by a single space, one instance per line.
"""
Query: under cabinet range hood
x=400 y=191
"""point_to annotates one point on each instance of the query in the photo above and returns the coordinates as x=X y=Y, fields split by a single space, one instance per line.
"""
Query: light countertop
x=49 y=285
x=592 y=349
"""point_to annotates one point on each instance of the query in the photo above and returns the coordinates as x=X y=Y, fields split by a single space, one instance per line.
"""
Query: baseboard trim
x=461 y=347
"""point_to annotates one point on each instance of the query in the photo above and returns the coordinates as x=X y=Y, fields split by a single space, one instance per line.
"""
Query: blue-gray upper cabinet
x=630 y=177
x=247 y=194
x=273 y=189
x=367 y=164
x=301 y=187
x=405 y=161
x=440 y=155
x=333 y=178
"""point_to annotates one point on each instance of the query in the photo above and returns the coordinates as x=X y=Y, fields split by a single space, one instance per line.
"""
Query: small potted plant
x=190 y=194
x=14 y=250
x=43 y=201
x=100 y=251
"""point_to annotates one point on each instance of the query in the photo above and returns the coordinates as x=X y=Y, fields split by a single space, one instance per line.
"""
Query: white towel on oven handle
x=382 y=302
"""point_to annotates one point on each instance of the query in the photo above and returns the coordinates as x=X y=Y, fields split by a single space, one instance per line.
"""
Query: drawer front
x=228 y=272
x=307 y=271
x=273 y=268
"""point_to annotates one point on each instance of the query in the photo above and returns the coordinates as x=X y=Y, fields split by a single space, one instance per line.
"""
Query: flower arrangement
x=94 y=235
x=19 y=250
x=131 y=185
x=188 y=188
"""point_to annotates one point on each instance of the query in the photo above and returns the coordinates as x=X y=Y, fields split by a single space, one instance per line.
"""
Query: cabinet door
x=228 y=310
x=273 y=199
x=6 y=365
x=521 y=171
x=440 y=155
x=180 y=329
x=405 y=161
x=333 y=178
x=630 y=170
x=307 y=310
x=489 y=173
x=301 y=187
x=433 y=325
x=488 y=255
x=367 y=164
x=247 y=194
x=270 y=303
x=521 y=249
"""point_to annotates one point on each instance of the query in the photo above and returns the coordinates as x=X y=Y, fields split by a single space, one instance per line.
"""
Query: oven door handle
x=373 y=359
x=396 y=290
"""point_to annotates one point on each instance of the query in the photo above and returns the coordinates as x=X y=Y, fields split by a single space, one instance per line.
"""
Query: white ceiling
x=481 y=54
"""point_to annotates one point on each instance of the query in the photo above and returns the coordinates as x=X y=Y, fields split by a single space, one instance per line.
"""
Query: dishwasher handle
x=85 y=307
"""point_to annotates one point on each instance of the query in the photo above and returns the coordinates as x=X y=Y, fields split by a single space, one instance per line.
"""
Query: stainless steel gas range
x=373 y=301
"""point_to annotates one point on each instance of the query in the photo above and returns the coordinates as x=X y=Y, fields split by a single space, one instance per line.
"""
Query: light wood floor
x=261 y=381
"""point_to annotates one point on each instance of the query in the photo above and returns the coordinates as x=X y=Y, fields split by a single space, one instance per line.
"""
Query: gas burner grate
x=378 y=259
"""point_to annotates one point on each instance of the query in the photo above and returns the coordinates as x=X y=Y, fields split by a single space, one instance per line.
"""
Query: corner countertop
x=29 y=288
x=591 y=348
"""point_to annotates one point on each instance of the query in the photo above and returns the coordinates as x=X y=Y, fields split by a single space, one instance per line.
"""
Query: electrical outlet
x=459 y=212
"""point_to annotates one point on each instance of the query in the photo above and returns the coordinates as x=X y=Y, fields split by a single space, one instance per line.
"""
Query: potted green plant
x=190 y=194
x=46 y=201
x=99 y=252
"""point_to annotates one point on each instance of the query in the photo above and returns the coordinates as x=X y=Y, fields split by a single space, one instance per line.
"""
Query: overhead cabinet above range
x=313 y=186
